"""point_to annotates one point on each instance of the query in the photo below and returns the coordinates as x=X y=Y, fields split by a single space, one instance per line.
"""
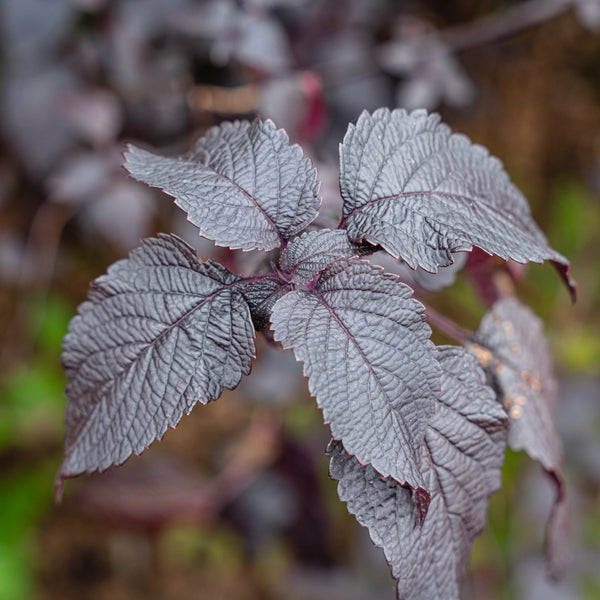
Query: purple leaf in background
x=95 y=116
x=32 y=97
x=122 y=213
x=93 y=183
x=79 y=178
x=159 y=332
x=460 y=460
x=365 y=346
x=511 y=343
x=34 y=28
x=243 y=185
x=421 y=192
x=13 y=254
x=248 y=35
x=588 y=13
x=431 y=73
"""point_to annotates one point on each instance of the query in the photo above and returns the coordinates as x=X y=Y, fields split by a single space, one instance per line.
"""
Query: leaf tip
x=59 y=486
x=557 y=546
x=422 y=499
x=563 y=269
x=133 y=158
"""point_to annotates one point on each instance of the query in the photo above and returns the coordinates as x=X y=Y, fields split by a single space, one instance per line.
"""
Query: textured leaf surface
x=367 y=354
x=243 y=185
x=511 y=343
x=160 y=332
x=460 y=460
x=311 y=252
x=421 y=192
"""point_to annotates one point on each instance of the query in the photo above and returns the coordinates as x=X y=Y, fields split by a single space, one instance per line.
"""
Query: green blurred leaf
x=15 y=572
x=48 y=320
x=575 y=218
x=578 y=349
x=24 y=498
x=32 y=404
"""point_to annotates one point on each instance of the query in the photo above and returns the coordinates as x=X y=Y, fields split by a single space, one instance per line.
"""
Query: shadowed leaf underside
x=261 y=296
x=243 y=185
x=460 y=460
x=159 y=332
x=365 y=346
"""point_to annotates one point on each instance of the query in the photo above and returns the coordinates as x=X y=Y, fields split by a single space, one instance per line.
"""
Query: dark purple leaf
x=261 y=297
x=460 y=461
x=243 y=185
x=365 y=346
x=421 y=192
x=160 y=332
x=510 y=341
x=311 y=252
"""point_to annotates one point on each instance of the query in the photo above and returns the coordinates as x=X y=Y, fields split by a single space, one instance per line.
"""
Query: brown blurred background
x=236 y=503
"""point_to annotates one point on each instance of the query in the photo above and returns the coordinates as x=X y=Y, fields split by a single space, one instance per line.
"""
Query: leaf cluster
x=418 y=434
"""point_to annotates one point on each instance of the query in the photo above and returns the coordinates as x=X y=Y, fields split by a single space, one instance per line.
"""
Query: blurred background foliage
x=237 y=503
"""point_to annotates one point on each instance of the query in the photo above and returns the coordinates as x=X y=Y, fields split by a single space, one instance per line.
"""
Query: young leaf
x=243 y=185
x=261 y=296
x=311 y=252
x=460 y=459
x=422 y=193
x=510 y=341
x=366 y=351
x=159 y=332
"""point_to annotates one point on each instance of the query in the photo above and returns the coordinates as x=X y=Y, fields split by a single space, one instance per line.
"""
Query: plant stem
x=448 y=326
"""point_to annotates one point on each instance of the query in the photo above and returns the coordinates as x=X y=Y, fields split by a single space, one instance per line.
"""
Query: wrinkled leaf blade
x=510 y=341
x=366 y=351
x=243 y=185
x=421 y=192
x=308 y=254
x=159 y=332
x=461 y=459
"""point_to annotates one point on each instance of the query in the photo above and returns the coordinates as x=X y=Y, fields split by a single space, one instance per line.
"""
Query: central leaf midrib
x=502 y=215
x=251 y=198
x=395 y=418
x=142 y=352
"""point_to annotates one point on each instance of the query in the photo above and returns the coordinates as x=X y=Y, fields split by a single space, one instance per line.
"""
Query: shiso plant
x=419 y=432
